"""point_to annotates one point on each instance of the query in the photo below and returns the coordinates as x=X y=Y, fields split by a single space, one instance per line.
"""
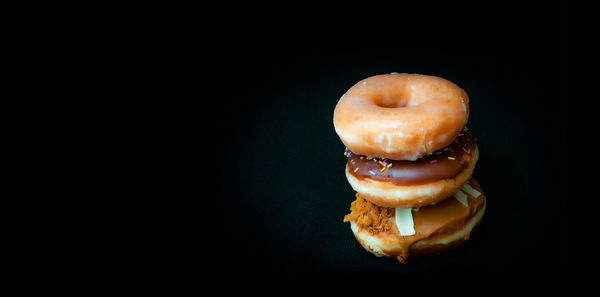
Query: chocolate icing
x=442 y=164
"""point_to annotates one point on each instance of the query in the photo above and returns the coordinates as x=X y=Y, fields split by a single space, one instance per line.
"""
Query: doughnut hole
x=404 y=96
x=390 y=102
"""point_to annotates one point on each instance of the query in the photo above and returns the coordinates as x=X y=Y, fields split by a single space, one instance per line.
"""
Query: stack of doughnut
x=410 y=160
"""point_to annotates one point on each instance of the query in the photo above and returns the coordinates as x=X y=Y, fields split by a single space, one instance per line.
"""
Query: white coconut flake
x=467 y=188
x=404 y=221
x=462 y=198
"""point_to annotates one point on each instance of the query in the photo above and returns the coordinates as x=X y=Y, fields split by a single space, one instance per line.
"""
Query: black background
x=282 y=192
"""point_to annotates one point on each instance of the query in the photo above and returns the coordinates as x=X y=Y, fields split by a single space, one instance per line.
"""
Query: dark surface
x=282 y=189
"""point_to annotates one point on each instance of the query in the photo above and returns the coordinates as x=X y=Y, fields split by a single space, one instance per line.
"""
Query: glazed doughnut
x=437 y=227
x=400 y=116
x=401 y=183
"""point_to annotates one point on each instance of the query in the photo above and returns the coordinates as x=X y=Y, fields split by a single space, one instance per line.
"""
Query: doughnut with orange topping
x=436 y=227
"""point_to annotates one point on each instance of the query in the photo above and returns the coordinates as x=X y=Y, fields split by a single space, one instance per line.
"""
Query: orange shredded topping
x=369 y=216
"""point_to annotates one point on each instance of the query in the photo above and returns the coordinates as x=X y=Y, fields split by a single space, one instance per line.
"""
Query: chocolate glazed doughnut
x=402 y=183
